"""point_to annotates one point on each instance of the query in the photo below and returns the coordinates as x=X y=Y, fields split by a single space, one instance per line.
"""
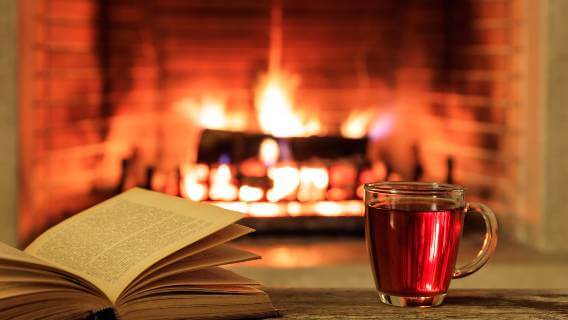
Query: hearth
x=280 y=109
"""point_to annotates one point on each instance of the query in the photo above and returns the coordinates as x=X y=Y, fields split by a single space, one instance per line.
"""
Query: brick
x=72 y=10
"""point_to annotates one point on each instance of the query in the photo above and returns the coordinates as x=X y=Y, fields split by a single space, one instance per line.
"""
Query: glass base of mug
x=406 y=301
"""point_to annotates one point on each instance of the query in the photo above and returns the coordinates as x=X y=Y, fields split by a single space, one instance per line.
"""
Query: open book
x=139 y=255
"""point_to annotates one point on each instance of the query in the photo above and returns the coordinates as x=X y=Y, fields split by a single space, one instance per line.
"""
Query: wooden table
x=459 y=304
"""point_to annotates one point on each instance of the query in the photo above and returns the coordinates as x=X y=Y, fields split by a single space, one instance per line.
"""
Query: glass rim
x=413 y=187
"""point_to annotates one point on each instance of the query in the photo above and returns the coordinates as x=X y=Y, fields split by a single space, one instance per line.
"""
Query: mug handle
x=489 y=243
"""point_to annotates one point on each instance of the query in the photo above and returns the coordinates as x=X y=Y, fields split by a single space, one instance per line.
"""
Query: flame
x=222 y=187
x=193 y=190
x=266 y=209
x=211 y=113
x=250 y=193
x=191 y=187
x=328 y=208
x=313 y=183
x=357 y=124
x=354 y=208
x=294 y=208
x=367 y=123
x=286 y=179
x=269 y=152
x=314 y=175
x=339 y=208
x=275 y=109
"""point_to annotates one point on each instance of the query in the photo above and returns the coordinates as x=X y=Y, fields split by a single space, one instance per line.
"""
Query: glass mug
x=413 y=230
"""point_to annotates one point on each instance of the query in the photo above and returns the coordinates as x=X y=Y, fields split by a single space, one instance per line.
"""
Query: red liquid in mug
x=413 y=246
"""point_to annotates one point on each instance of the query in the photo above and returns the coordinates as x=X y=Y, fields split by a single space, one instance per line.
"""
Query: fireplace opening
x=280 y=109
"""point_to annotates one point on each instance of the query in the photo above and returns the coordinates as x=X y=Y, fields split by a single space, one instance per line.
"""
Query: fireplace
x=280 y=108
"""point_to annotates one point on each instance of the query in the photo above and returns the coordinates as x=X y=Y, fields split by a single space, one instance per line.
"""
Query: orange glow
x=357 y=124
x=191 y=187
x=294 y=208
x=314 y=253
x=339 y=193
x=395 y=177
x=222 y=187
x=276 y=114
x=286 y=179
x=313 y=183
x=193 y=190
x=211 y=113
x=353 y=207
x=283 y=257
x=249 y=193
x=343 y=175
x=379 y=170
x=338 y=208
x=252 y=167
x=328 y=208
x=269 y=152
x=360 y=192
x=266 y=209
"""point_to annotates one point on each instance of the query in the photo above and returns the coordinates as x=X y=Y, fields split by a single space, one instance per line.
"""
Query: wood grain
x=459 y=304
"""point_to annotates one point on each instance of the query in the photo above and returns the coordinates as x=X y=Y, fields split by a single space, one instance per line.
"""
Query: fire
x=367 y=123
x=191 y=185
x=294 y=208
x=222 y=187
x=357 y=124
x=276 y=112
x=250 y=193
x=269 y=152
x=266 y=209
x=286 y=179
x=193 y=190
x=328 y=208
x=313 y=183
x=211 y=113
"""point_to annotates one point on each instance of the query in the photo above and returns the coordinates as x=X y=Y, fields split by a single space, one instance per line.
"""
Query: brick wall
x=105 y=77
x=476 y=118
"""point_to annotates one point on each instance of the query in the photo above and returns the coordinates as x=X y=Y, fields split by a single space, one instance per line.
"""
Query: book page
x=186 y=282
x=220 y=237
x=207 y=276
x=33 y=301
x=17 y=261
x=15 y=256
x=220 y=255
x=111 y=243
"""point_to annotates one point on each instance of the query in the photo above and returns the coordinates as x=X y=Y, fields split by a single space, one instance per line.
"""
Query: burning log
x=241 y=145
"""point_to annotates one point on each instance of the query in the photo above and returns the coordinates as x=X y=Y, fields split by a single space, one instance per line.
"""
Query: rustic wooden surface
x=459 y=304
